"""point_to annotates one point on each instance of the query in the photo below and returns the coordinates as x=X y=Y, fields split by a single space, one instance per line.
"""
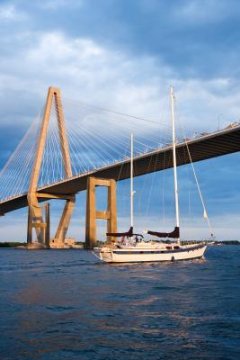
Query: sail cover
x=129 y=233
x=174 y=234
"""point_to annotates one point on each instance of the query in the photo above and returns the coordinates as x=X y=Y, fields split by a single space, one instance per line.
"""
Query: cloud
x=9 y=13
x=100 y=75
x=96 y=74
x=114 y=59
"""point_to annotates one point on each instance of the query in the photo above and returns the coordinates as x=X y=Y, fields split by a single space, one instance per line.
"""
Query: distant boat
x=133 y=248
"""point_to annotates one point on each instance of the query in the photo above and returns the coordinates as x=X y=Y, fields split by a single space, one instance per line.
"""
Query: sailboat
x=130 y=247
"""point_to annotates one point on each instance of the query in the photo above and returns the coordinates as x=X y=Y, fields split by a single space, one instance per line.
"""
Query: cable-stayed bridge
x=57 y=157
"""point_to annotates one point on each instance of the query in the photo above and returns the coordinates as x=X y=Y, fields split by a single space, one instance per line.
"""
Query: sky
x=124 y=55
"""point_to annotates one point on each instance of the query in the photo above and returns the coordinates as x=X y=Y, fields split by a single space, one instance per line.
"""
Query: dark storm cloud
x=130 y=49
x=196 y=37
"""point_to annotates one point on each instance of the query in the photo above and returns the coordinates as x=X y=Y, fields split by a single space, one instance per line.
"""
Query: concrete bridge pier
x=92 y=214
x=39 y=219
x=59 y=240
x=41 y=224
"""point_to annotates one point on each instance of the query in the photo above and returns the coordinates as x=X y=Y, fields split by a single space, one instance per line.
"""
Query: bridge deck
x=219 y=143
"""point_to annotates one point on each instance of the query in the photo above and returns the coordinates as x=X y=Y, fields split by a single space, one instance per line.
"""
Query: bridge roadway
x=204 y=147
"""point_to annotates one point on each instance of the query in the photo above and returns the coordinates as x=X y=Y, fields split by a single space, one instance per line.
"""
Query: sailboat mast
x=172 y=97
x=131 y=183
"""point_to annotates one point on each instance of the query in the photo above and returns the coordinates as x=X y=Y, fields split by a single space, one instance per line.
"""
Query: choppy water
x=67 y=305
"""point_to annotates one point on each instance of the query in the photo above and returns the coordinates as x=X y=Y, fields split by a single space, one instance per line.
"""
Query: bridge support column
x=92 y=214
x=58 y=241
x=40 y=223
x=39 y=219
x=35 y=219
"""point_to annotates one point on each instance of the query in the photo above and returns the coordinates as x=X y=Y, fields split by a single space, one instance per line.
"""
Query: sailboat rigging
x=132 y=247
x=131 y=183
x=129 y=233
x=175 y=234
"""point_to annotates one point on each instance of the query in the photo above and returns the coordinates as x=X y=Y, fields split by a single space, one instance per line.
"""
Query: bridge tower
x=38 y=216
x=92 y=214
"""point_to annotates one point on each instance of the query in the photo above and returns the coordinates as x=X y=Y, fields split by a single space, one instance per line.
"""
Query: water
x=67 y=305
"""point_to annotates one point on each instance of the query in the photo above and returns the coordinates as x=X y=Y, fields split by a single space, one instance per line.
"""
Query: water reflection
x=65 y=305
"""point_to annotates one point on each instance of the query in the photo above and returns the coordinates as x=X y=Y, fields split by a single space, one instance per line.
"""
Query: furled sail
x=175 y=234
x=128 y=234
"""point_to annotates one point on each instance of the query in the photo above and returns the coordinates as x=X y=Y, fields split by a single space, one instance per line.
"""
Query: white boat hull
x=127 y=255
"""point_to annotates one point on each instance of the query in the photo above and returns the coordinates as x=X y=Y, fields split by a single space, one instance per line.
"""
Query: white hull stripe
x=119 y=252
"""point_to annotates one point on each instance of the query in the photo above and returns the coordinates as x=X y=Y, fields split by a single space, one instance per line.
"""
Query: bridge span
x=204 y=147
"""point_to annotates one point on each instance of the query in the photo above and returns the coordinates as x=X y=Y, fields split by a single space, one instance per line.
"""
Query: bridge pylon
x=36 y=218
x=92 y=214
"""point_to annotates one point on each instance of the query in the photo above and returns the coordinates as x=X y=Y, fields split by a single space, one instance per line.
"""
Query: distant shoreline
x=225 y=242
x=15 y=244
x=10 y=244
